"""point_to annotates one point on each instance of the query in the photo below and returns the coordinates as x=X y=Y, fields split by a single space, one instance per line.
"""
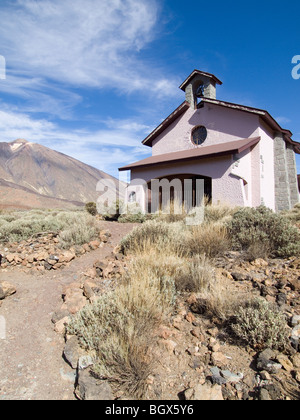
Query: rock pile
x=103 y=276
x=43 y=252
x=199 y=361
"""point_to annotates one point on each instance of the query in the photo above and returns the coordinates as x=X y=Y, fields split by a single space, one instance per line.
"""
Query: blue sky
x=92 y=78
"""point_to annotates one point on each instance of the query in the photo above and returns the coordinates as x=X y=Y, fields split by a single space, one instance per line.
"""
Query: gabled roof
x=172 y=117
x=199 y=73
x=264 y=115
x=203 y=152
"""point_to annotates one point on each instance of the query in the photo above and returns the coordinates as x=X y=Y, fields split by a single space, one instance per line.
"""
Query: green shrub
x=261 y=325
x=293 y=215
x=132 y=218
x=262 y=226
x=91 y=208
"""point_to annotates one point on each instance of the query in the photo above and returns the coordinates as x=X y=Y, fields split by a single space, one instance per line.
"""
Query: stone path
x=31 y=363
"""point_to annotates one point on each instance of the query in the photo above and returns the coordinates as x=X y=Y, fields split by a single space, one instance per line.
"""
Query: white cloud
x=283 y=120
x=105 y=149
x=55 y=48
x=82 y=43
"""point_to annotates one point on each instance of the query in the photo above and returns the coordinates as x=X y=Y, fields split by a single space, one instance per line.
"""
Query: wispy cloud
x=82 y=43
x=283 y=120
x=61 y=55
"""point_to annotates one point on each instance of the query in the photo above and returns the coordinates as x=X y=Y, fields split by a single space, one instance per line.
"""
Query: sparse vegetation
x=119 y=327
x=133 y=218
x=218 y=212
x=218 y=300
x=168 y=260
x=74 y=227
x=194 y=275
x=113 y=212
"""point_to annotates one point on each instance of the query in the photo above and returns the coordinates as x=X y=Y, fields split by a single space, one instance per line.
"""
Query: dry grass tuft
x=218 y=300
x=120 y=326
x=209 y=238
x=156 y=236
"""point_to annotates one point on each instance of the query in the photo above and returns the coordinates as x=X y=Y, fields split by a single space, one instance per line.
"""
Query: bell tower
x=199 y=85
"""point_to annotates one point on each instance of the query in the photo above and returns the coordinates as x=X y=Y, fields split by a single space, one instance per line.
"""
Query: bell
x=200 y=92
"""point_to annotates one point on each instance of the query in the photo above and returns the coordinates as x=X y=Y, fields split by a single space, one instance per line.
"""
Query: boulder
x=285 y=362
x=294 y=284
x=219 y=359
x=6 y=289
x=94 y=245
x=73 y=351
x=2 y=295
x=91 y=389
x=10 y=258
x=67 y=257
x=241 y=276
x=265 y=362
x=74 y=299
x=60 y=326
x=204 y=392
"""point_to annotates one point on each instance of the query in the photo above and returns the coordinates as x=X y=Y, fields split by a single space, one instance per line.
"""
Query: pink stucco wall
x=244 y=180
x=226 y=188
x=223 y=125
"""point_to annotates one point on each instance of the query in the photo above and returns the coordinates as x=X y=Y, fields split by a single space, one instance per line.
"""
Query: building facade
x=241 y=154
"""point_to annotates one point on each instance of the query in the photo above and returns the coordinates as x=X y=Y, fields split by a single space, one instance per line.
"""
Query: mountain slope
x=32 y=175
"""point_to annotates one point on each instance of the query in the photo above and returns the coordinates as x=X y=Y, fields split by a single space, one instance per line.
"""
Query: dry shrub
x=157 y=236
x=120 y=326
x=185 y=274
x=82 y=230
x=262 y=225
x=261 y=325
x=209 y=238
x=219 y=212
x=218 y=300
x=293 y=215
x=173 y=212
x=110 y=331
x=149 y=286
x=75 y=227
x=194 y=275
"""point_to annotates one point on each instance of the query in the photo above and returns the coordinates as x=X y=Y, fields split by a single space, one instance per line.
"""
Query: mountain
x=34 y=176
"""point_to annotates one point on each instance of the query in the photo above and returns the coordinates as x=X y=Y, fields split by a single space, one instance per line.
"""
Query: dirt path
x=31 y=363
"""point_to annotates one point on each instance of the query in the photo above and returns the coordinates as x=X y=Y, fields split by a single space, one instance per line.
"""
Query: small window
x=132 y=197
x=199 y=135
